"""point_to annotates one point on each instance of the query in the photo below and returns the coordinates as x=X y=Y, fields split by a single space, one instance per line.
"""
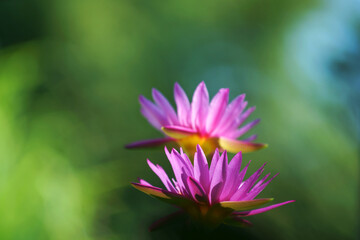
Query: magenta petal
x=261 y=210
x=216 y=110
x=218 y=179
x=232 y=174
x=183 y=105
x=243 y=172
x=246 y=186
x=251 y=138
x=201 y=168
x=184 y=164
x=259 y=187
x=214 y=161
x=199 y=107
x=187 y=161
x=164 y=104
x=245 y=129
x=150 y=143
x=245 y=115
x=145 y=183
x=159 y=171
x=181 y=169
x=196 y=190
x=151 y=118
x=231 y=113
x=152 y=111
x=238 y=121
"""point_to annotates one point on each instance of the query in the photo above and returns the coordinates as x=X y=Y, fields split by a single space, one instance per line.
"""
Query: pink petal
x=159 y=171
x=237 y=122
x=176 y=166
x=181 y=170
x=244 y=129
x=164 y=104
x=259 y=187
x=187 y=161
x=242 y=174
x=261 y=210
x=184 y=163
x=199 y=107
x=218 y=179
x=150 y=143
x=214 y=161
x=231 y=113
x=250 y=139
x=151 y=118
x=183 y=105
x=217 y=109
x=232 y=175
x=246 y=186
x=244 y=116
x=145 y=183
x=201 y=168
x=197 y=191
x=151 y=111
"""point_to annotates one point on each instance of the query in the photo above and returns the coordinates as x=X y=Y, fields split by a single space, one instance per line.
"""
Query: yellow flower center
x=189 y=144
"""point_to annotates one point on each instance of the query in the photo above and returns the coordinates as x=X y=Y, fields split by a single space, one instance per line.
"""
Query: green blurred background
x=70 y=75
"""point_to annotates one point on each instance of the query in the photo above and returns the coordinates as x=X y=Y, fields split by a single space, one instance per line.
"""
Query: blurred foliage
x=70 y=76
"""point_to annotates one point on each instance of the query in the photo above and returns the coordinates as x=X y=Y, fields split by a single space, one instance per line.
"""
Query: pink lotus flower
x=210 y=195
x=214 y=125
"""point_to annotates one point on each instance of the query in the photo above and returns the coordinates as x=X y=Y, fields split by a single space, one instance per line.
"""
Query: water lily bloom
x=214 y=194
x=212 y=125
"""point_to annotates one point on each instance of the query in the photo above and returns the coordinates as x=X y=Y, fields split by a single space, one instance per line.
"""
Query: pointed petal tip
x=177 y=85
x=201 y=85
x=261 y=210
x=142 y=98
x=166 y=151
x=155 y=92
x=224 y=90
x=239 y=154
x=149 y=162
x=177 y=88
